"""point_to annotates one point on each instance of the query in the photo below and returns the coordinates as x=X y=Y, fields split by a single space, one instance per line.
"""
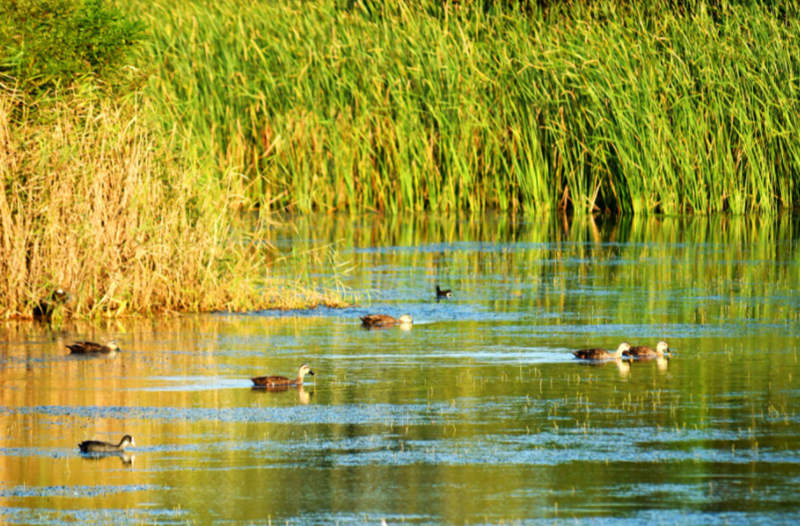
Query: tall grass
x=91 y=201
x=429 y=105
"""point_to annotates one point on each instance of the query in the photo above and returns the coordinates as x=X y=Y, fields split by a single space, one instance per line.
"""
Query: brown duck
x=97 y=446
x=602 y=354
x=643 y=351
x=92 y=348
x=383 y=320
x=47 y=306
x=282 y=381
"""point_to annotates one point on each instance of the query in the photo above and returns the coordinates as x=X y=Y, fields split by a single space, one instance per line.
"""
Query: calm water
x=476 y=415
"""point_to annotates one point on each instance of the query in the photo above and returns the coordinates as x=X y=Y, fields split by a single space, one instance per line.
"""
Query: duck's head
x=662 y=348
x=60 y=295
x=305 y=369
x=126 y=441
x=623 y=348
x=113 y=345
x=405 y=319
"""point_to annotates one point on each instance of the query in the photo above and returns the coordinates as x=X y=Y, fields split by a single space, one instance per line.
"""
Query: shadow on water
x=479 y=413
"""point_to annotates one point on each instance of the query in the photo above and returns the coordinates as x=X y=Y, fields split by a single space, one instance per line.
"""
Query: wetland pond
x=478 y=414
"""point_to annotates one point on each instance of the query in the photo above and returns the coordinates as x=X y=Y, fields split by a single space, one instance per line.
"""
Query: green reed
x=428 y=106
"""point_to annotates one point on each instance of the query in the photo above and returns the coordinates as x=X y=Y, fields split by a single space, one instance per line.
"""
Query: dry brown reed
x=93 y=202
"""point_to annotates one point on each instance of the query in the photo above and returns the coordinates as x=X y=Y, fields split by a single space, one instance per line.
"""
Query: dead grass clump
x=93 y=202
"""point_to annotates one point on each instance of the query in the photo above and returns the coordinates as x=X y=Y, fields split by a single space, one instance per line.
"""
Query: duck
x=643 y=351
x=93 y=348
x=383 y=320
x=446 y=293
x=98 y=446
x=282 y=381
x=45 y=309
x=602 y=354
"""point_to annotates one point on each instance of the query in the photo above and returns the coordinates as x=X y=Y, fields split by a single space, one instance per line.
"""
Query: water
x=478 y=414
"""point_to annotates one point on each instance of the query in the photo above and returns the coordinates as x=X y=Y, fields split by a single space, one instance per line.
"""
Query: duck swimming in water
x=97 y=446
x=93 y=348
x=282 y=381
x=446 y=293
x=602 y=354
x=383 y=320
x=644 y=352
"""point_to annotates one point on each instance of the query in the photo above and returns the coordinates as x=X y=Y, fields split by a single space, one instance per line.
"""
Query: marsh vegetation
x=135 y=134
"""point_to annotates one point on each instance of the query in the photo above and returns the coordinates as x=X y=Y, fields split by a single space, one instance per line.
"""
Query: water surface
x=478 y=414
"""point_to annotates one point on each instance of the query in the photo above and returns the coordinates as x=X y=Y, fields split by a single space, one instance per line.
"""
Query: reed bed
x=92 y=202
x=427 y=105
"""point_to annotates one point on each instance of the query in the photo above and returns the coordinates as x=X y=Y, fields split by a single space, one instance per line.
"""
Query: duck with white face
x=603 y=354
x=373 y=321
x=277 y=382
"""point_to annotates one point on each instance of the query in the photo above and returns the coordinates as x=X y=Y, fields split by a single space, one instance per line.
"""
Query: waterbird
x=98 y=446
x=44 y=310
x=645 y=352
x=93 y=348
x=602 y=354
x=446 y=293
x=383 y=320
x=87 y=347
x=282 y=381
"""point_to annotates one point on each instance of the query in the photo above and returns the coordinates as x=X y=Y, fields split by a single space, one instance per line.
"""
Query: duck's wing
x=88 y=446
x=86 y=347
x=641 y=350
x=377 y=320
x=590 y=354
x=270 y=380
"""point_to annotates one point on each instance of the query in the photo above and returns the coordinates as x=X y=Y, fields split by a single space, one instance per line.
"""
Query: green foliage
x=47 y=44
x=442 y=106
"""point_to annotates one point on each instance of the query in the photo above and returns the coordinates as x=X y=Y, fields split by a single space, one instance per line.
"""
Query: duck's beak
x=311 y=372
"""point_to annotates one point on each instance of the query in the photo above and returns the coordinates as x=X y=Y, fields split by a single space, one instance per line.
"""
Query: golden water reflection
x=476 y=414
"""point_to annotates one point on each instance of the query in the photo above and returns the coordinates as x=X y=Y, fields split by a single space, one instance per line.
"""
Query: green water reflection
x=477 y=414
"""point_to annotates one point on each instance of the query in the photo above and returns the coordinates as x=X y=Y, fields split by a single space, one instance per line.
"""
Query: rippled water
x=477 y=414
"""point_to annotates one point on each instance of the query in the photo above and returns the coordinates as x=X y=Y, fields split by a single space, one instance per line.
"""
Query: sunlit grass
x=330 y=106
x=91 y=201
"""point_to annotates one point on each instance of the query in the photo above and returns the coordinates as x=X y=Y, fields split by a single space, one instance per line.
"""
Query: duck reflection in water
x=303 y=396
x=623 y=364
x=124 y=457
x=662 y=362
